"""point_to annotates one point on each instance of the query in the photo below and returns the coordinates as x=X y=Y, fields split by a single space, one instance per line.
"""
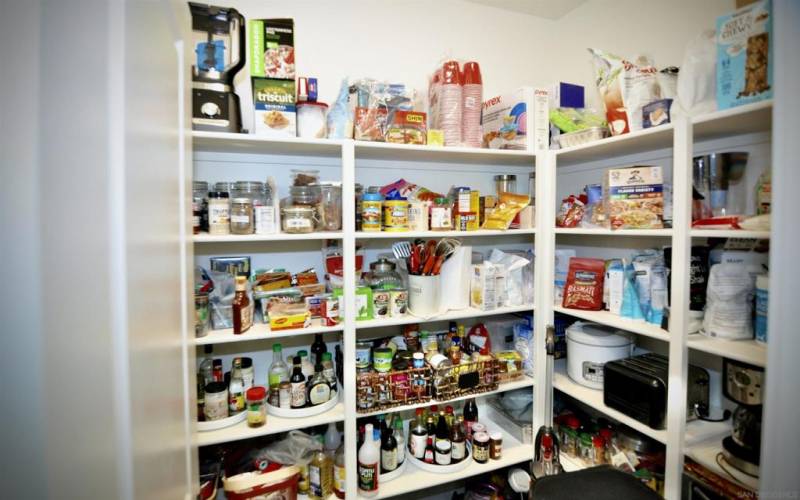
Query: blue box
x=744 y=55
x=567 y=95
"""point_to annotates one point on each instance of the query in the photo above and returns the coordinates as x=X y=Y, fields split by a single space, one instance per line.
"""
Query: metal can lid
x=480 y=437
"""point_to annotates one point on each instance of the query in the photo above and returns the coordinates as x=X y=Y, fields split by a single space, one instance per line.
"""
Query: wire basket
x=464 y=379
x=380 y=391
x=508 y=370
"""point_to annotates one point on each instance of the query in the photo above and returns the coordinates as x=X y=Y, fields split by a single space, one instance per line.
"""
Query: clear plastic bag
x=697 y=79
x=515 y=267
x=221 y=299
x=295 y=448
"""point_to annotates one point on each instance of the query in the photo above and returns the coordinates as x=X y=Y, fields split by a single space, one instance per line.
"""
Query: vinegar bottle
x=368 y=464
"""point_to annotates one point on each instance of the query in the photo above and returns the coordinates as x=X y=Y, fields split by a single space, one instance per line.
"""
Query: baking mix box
x=744 y=55
x=505 y=120
x=635 y=197
x=271 y=45
x=275 y=113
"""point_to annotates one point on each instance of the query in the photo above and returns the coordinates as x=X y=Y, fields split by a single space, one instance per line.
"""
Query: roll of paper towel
x=456 y=280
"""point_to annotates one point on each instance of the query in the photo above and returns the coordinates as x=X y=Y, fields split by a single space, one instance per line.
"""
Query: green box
x=272 y=48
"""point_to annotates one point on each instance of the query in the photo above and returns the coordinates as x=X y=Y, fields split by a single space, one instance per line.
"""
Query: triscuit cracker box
x=275 y=113
x=744 y=55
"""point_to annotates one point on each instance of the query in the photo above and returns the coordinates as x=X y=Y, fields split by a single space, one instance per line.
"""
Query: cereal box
x=744 y=55
x=506 y=124
x=272 y=48
x=634 y=197
x=275 y=111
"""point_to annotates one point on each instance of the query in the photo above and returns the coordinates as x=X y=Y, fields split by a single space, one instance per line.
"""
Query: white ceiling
x=548 y=9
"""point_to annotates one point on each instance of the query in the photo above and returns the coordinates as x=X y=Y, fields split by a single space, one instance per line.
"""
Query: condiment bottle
x=459 y=441
x=319 y=391
x=320 y=475
x=368 y=464
x=339 y=473
x=298 y=381
x=242 y=307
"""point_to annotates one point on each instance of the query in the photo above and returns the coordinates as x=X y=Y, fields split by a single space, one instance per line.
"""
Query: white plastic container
x=589 y=347
x=424 y=295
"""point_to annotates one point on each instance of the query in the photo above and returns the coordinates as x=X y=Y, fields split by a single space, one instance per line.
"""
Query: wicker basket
x=381 y=391
x=509 y=370
x=464 y=379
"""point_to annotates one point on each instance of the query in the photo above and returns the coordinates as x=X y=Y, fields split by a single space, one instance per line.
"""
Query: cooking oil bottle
x=320 y=475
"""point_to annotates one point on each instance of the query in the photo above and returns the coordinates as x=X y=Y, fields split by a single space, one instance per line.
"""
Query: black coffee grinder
x=218 y=41
x=743 y=384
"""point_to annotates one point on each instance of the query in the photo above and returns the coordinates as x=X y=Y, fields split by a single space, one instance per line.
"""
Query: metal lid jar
x=298 y=219
x=241 y=216
x=305 y=195
x=383 y=275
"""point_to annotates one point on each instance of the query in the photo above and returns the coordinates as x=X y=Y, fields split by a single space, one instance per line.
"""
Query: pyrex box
x=275 y=114
x=271 y=48
x=505 y=120
x=634 y=197
x=744 y=55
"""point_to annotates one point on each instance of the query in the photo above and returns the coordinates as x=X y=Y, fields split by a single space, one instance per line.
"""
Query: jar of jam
x=480 y=447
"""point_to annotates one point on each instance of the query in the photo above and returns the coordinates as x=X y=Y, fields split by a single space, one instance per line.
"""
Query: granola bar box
x=634 y=197
x=275 y=111
x=744 y=55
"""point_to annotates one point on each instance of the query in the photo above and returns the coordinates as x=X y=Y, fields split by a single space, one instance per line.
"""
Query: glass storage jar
x=304 y=177
x=253 y=190
x=383 y=275
x=241 y=216
x=199 y=206
x=218 y=213
x=505 y=183
x=223 y=186
x=330 y=206
x=305 y=195
x=298 y=219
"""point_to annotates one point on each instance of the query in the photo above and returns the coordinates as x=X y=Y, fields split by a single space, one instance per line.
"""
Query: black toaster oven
x=637 y=387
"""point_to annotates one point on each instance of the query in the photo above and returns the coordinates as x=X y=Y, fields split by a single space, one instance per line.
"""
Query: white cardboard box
x=506 y=124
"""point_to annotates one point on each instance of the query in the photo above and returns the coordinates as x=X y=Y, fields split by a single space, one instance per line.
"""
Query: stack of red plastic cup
x=472 y=95
x=450 y=103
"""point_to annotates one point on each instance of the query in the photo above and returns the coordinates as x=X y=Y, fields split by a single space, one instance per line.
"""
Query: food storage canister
x=382 y=359
x=383 y=275
x=330 y=206
x=256 y=406
x=298 y=219
x=589 y=347
x=199 y=206
x=218 y=213
x=395 y=214
x=241 y=216
x=505 y=183
x=371 y=204
x=305 y=195
x=311 y=119
x=304 y=177
x=216 y=401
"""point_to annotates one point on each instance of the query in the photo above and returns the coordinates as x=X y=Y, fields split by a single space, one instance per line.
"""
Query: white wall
x=403 y=41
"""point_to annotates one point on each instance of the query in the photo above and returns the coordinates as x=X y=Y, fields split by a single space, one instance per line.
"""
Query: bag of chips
x=508 y=206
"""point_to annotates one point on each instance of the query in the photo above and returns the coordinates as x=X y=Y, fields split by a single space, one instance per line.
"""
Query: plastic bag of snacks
x=375 y=106
x=508 y=206
x=625 y=88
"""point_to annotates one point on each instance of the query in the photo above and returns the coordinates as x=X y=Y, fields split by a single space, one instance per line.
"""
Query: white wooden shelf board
x=408 y=152
x=616 y=321
x=522 y=383
x=274 y=425
x=226 y=142
x=696 y=430
x=747 y=119
x=705 y=453
x=261 y=331
x=414 y=479
x=662 y=233
x=469 y=312
x=627 y=144
x=748 y=351
x=391 y=235
x=729 y=233
x=246 y=238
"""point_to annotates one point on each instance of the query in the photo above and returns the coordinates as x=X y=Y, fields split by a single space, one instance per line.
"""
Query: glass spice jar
x=330 y=206
x=218 y=213
x=298 y=219
x=241 y=216
x=256 y=406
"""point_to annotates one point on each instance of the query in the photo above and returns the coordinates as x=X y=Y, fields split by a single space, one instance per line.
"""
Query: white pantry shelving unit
x=373 y=163
x=220 y=156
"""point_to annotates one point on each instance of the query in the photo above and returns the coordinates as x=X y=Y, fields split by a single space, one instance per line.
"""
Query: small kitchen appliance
x=589 y=347
x=743 y=384
x=218 y=41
